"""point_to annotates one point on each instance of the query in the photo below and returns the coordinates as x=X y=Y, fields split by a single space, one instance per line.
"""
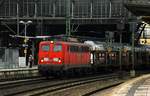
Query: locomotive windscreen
x=45 y=47
x=57 y=48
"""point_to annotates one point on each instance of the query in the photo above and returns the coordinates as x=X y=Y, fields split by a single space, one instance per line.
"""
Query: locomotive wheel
x=84 y=71
x=69 y=73
x=45 y=74
x=60 y=73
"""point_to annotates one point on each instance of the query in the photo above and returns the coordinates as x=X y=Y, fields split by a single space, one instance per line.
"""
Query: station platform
x=139 y=86
x=21 y=68
x=18 y=73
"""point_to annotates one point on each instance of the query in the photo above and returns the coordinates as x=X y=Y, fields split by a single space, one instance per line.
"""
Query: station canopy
x=142 y=10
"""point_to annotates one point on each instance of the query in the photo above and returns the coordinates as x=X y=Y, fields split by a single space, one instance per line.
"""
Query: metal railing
x=57 y=8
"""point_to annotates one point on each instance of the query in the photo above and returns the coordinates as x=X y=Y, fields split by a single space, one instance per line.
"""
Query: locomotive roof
x=65 y=42
x=113 y=46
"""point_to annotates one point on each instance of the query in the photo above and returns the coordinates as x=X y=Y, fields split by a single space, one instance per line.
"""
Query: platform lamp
x=25 y=36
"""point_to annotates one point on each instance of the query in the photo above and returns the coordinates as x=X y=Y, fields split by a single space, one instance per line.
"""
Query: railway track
x=15 y=83
x=55 y=86
x=103 y=91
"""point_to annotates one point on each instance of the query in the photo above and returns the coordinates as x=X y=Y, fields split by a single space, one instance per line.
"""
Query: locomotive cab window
x=84 y=49
x=57 y=48
x=74 y=48
x=45 y=47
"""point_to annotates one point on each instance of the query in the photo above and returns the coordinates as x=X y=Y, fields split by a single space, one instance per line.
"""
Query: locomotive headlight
x=42 y=60
x=56 y=59
x=46 y=59
x=59 y=61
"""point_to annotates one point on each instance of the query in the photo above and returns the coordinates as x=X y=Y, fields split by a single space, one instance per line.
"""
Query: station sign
x=109 y=49
x=22 y=62
x=125 y=50
x=25 y=45
x=25 y=40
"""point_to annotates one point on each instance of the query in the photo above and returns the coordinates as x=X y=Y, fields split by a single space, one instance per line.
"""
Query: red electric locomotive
x=60 y=56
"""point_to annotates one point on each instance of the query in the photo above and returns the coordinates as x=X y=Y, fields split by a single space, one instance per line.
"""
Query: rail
x=55 y=86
